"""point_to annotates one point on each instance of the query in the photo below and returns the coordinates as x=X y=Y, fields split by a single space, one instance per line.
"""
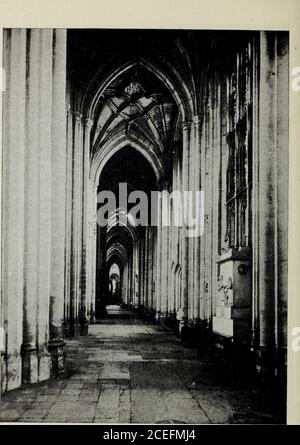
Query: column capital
x=77 y=115
x=88 y=122
x=68 y=109
x=197 y=119
x=163 y=184
x=186 y=125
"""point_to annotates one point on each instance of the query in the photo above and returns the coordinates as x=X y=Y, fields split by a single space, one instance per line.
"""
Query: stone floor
x=129 y=370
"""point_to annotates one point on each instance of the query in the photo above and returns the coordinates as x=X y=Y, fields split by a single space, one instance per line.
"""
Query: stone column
x=68 y=204
x=136 y=272
x=282 y=169
x=85 y=229
x=154 y=269
x=143 y=277
x=142 y=267
x=46 y=106
x=79 y=220
x=170 y=307
x=266 y=208
x=174 y=240
x=93 y=246
x=150 y=269
x=177 y=254
x=179 y=236
x=272 y=247
x=123 y=284
x=31 y=216
x=202 y=312
x=171 y=252
x=191 y=239
x=13 y=160
x=197 y=240
x=133 y=278
x=215 y=168
x=147 y=267
x=76 y=225
x=158 y=261
x=88 y=252
x=185 y=240
x=58 y=202
x=101 y=277
x=210 y=159
x=164 y=251
x=126 y=282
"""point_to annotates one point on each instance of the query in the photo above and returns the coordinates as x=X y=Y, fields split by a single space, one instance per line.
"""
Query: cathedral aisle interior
x=129 y=370
x=146 y=169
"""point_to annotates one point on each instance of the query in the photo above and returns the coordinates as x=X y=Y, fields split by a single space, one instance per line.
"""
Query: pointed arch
x=177 y=86
x=113 y=145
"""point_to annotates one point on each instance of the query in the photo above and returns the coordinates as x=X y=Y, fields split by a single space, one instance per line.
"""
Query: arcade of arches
x=87 y=110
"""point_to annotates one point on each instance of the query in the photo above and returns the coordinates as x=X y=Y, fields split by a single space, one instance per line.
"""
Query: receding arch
x=119 y=251
x=126 y=227
x=112 y=146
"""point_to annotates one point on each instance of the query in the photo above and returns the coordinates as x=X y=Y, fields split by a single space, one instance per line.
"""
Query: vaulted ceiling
x=137 y=87
x=137 y=102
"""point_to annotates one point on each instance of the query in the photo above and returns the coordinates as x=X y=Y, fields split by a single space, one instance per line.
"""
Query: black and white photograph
x=144 y=238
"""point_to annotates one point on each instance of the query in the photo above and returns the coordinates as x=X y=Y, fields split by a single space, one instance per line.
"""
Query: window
x=239 y=146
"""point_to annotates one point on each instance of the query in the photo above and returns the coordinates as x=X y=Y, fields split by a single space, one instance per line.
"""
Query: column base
x=271 y=363
x=84 y=327
x=163 y=317
x=281 y=368
x=171 y=323
x=58 y=357
x=181 y=329
x=3 y=373
x=196 y=323
x=265 y=362
x=30 y=364
x=44 y=360
x=70 y=329
x=74 y=329
x=140 y=309
x=66 y=328
x=13 y=369
x=92 y=317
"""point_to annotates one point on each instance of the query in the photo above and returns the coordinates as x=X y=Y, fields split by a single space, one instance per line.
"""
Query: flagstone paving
x=129 y=370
